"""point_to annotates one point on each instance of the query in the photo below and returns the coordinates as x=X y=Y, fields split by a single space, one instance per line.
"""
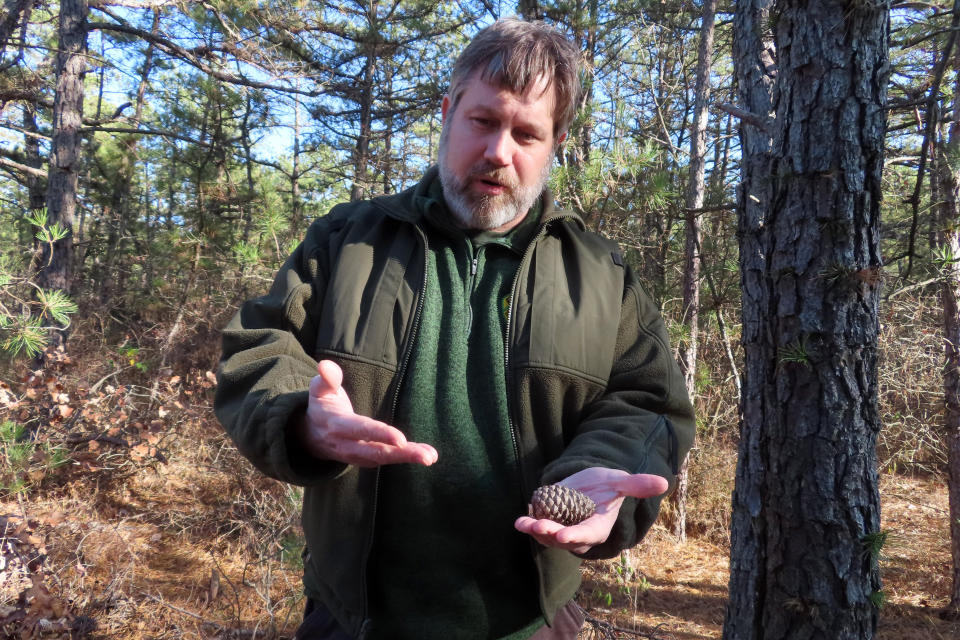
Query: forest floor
x=680 y=590
x=130 y=515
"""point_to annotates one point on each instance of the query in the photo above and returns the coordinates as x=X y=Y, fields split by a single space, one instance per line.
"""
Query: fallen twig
x=77 y=438
x=609 y=630
x=222 y=631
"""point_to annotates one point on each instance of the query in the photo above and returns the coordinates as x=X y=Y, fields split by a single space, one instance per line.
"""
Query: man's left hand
x=607 y=488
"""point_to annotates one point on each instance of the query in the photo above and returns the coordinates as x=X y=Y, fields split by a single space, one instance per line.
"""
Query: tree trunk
x=123 y=183
x=691 y=271
x=361 y=152
x=948 y=239
x=9 y=21
x=806 y=517
x=296 y=213
x=56 y=261
x=31 y=145
x=246 y=212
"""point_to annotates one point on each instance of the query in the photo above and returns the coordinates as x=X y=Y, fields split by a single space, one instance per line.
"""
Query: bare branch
x=193 y=58
x=135 y=4
x=148 y=132
x=13 y=164
x=760 y=122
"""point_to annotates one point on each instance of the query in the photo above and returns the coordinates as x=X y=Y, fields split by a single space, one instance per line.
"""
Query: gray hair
x=513 y=54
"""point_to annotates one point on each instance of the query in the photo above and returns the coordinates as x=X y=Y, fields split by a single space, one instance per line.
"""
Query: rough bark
x=10 y=19
x=36 y=185
x=806 y=504
x=691 y=271
x=948 y=239
x=361 y=152
x=296 y=207
x=56 y=261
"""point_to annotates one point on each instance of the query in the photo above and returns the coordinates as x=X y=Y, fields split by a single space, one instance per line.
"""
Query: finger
x=536 y=527
x=360 y=428
x=426 y=455
x=530 y=526
x=586 y=533
x=374 y=454
x=642 y=485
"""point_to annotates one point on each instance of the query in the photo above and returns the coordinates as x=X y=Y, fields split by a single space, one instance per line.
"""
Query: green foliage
x=29 y=313
x=943 y=257
x=872 y=544
x=291 y=551
x=797 y=352
x=131 y=356
x=878 y=598
x=23 y=462
x=47 y=234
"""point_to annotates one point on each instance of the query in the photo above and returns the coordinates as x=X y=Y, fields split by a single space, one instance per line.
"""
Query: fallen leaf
x=53 y=518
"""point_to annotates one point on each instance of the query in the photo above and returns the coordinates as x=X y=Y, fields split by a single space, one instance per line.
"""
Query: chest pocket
x=371 y=293
x=568 y=310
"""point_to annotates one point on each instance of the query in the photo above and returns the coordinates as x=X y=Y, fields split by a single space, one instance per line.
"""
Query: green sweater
x=447 y=562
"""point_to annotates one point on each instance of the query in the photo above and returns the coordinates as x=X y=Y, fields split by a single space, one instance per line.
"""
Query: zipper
x=473 y=254
x=506 y=353
x=408 y=350
x=414 y=328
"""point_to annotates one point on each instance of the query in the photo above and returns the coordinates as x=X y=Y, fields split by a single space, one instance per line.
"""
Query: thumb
x=642 y=485
x=331 y=375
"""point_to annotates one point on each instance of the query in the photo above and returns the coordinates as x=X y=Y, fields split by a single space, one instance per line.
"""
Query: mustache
x=488 y=171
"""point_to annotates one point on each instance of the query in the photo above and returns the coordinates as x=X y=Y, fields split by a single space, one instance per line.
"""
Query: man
x=474 y=343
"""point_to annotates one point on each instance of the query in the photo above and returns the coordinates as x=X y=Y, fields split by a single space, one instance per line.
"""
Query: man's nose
x=499 y=149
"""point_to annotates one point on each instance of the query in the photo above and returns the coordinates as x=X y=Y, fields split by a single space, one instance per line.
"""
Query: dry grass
x=680 y=591
x=163 y=531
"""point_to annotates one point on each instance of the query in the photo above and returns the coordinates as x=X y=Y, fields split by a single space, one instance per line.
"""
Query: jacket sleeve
x=267 y=364
x=642 y=423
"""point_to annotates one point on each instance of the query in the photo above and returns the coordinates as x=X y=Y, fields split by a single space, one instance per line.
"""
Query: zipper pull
x=473 y=265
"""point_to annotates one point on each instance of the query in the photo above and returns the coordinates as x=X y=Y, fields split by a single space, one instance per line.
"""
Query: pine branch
x=194 y=57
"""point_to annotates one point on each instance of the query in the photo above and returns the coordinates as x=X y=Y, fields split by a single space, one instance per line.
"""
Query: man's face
x=495 y=153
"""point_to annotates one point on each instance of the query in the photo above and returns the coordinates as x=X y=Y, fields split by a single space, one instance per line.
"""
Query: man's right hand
x=332 y=431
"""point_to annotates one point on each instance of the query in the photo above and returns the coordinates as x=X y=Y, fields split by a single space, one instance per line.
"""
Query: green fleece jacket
x=590 y=380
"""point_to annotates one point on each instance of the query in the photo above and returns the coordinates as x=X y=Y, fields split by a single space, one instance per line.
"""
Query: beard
x=481 y=211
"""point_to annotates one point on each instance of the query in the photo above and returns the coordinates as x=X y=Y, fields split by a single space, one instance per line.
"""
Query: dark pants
x=319 y=624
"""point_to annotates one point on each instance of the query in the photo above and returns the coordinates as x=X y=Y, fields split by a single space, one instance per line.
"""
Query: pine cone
x=561 y=504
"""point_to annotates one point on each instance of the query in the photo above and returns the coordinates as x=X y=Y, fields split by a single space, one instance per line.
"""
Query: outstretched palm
x=607 y=488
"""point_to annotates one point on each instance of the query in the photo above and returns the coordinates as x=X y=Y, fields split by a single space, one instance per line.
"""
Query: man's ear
x=561 y=140
x=444 y=107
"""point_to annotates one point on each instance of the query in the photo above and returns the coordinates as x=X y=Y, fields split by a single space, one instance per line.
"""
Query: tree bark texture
x=36 y=185
x=691 y=271
x=948 y=240
x=10 y=19
x=56 y=261
x=806 y=504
